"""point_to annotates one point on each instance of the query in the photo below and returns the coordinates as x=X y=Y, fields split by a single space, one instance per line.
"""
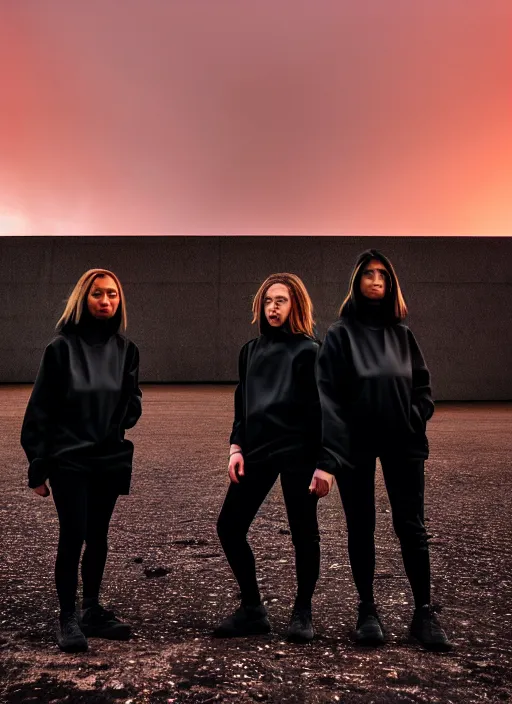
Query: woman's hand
x=42 y=490
x=236 y=464
x=321 y=483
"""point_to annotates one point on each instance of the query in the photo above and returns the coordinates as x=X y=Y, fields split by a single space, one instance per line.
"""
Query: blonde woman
x=85 y=396
x=276 y=431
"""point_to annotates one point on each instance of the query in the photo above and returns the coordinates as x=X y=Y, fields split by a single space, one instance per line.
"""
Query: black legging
x=84 y=506
x=404 y=481
x=241 y=506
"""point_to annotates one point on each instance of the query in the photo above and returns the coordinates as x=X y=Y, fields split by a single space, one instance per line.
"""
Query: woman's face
x=374 y=280
x=277 y=304
x=103 y=298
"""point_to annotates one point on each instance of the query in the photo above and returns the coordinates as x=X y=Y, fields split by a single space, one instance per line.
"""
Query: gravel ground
x=168 y=522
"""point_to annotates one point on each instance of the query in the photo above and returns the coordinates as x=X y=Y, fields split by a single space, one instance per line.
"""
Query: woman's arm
x=332 y=378
x=421 y=391
x=237 y=436
x=39 y=420
x=131 y=381
x=305 y=377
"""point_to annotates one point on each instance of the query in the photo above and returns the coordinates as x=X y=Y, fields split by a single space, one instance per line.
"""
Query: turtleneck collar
x=372 y=313
x=280 y=333
x=95 y=331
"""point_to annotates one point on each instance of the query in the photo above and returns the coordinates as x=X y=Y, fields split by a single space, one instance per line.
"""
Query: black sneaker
x=300 y=629
x=97 y=622
x=246 y=621
x=369 y=627
x=425 y=628
x=70 y=637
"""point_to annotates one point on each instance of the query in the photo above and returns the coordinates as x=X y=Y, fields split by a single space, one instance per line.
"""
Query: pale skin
x=102 y=303
x=373 y=286
x=374 y=280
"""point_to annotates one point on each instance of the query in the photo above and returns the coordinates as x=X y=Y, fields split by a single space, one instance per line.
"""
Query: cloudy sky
x=256 y=117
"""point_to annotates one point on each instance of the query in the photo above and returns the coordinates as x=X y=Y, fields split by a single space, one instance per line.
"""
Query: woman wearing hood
x=85 y=396
x=276 y=432
x=376 y=400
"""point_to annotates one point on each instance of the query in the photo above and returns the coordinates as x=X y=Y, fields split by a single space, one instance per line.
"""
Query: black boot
x=246 y=621
x=97 y=622
x=70 y=637
x=369 y=627
x=300 y=629
x=426 y=628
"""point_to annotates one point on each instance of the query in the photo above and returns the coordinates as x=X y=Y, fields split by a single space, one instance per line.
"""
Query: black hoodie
x=277 y=409
x=374 y=390
x=85 y=396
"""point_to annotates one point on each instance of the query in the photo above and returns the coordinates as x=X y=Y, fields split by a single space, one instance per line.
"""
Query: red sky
x=387 y=117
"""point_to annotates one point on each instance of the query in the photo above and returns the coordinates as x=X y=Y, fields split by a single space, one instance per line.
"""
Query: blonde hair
x=301 y=312
x=394 y=296
x=75 y=304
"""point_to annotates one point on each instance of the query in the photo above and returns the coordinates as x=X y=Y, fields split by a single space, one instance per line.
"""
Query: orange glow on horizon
x=342 y=118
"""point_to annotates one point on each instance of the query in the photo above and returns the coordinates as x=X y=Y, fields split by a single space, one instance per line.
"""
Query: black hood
x=361 y=308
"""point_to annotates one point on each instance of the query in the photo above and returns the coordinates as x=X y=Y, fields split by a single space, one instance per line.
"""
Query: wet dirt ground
x=168 y=522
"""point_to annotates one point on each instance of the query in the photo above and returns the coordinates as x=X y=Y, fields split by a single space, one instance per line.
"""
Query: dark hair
x=394 y=303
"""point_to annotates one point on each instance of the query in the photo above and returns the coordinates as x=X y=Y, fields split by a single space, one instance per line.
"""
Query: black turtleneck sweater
x=277 y=409
x=374 y=390
x=85 y=396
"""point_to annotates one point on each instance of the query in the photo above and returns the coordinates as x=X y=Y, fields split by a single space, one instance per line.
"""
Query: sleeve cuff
x=426 y=409
x=236 y=439
x=38 y=472
x=329 y=467
x=133 y=413
x=332 y=465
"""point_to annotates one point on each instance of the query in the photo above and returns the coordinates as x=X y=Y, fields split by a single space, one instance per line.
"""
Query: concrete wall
x=189 y=299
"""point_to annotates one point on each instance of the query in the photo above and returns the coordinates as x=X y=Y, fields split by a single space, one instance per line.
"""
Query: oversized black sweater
x=85 y=396
x=277 y=409
x=374 y=391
